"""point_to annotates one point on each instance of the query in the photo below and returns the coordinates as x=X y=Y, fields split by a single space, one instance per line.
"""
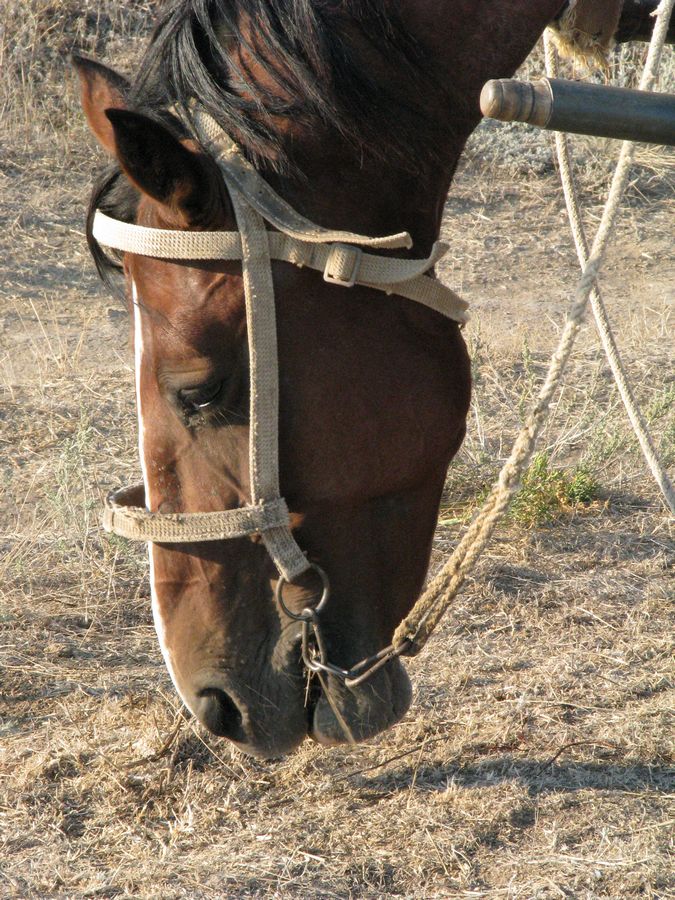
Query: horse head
x=373 y=389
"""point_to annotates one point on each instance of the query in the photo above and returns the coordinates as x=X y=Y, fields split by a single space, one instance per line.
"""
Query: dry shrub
x=37 y=38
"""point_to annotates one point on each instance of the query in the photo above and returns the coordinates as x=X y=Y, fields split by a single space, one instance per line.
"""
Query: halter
x=340 y=256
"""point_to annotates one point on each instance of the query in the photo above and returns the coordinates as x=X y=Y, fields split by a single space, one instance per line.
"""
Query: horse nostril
x=221 y=715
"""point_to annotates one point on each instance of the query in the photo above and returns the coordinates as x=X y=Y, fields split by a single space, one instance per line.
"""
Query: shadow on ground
x=536 y=776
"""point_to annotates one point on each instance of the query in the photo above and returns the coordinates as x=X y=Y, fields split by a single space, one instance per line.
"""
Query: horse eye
x=202 y=396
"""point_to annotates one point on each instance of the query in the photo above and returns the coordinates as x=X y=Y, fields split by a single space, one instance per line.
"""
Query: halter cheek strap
x=339 y=255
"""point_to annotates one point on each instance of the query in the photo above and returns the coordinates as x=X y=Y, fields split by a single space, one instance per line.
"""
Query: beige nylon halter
x=339 y=255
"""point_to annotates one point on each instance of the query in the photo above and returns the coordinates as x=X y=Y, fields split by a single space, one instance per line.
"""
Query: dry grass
x=537 y=760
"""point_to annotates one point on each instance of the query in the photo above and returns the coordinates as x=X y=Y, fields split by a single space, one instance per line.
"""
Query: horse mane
x=320 y=54
x=320 y=59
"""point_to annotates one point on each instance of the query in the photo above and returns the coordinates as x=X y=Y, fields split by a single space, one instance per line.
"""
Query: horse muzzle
x=266 y=724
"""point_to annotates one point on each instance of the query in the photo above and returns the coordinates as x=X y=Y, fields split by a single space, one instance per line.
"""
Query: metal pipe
x=579 y=108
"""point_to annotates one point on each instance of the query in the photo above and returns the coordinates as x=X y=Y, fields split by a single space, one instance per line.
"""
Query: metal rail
x=580 y=108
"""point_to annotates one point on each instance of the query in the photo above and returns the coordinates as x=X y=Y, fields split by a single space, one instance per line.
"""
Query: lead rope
x=603 y=325
x=416 y=628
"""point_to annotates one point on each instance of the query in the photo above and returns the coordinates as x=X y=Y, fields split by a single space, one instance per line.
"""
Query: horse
x=355 y=113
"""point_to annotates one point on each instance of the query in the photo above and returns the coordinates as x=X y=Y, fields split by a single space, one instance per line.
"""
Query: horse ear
x=101 y=88
x=164 y=168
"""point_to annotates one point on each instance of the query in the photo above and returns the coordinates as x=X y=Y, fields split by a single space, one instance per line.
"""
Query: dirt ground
x=537 y=758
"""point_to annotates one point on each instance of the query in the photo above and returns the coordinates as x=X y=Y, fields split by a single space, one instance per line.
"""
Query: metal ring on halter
x=306 y=613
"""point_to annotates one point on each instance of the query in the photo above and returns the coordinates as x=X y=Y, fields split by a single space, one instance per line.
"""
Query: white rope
x=417 y=627
x=598 y=306
x=261 y=326
x=122 y=517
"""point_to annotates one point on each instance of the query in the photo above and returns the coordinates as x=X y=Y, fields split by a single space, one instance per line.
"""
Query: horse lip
x=366 y=710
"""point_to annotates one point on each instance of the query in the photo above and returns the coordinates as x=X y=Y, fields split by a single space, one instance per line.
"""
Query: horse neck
x=475 y=40
x=470 y=41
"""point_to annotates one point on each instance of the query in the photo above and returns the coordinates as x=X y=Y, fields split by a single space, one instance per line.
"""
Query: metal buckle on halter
x=343 y=264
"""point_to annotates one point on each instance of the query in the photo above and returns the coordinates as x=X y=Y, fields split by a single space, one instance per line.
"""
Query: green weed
x=547 y=492
x=661 y=405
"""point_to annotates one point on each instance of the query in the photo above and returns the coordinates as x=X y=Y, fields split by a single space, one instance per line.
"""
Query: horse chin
x=349 y=715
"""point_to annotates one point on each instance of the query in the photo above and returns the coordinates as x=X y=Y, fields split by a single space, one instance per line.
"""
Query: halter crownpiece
x=340 y=263
x=340 y=256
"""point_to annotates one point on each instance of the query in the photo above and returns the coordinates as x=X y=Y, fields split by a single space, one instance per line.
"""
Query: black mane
x=312 y=50
x=313 y=53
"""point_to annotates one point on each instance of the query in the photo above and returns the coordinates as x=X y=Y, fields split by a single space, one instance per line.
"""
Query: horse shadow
x=538 y=777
